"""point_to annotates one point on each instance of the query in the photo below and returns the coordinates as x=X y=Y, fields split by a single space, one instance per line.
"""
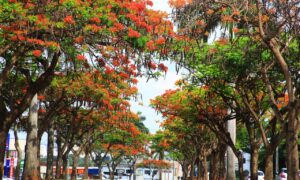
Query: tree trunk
x=184 y=171
x=199 y=169
x=74 y=166
x=100 y=172
x=217 y=171
x=231 y=158
x=269 y=165
x=86 y=165
x=4 y=128
x=50 y=148
x=31 y=161
x=59 y=160
x=292 y=130
x=241 y=163
x=202 y=169
x=3 y=136
x=112 y=174
x=254 y=163
x=192 y=172
x=134 y=172
x=222 y=168
x=19 y=152
x=292 y=146
x=161 y=157
x=64 y=175
x=38 y=155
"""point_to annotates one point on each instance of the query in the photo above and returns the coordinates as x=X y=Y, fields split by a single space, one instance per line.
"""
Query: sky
x=152 y=88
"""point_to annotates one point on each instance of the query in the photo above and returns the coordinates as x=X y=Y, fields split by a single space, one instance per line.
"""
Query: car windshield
x=260 y=173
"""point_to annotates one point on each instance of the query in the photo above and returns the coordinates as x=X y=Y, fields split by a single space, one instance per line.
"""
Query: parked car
x=283 y=174
x=260 y=175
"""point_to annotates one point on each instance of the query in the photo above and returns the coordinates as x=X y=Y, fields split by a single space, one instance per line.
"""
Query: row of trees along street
x=250 y=73
x=69 y=68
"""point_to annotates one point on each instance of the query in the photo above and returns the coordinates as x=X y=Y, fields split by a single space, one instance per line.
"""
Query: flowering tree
x=42 y=38
x=272 y=27
x=154 y=166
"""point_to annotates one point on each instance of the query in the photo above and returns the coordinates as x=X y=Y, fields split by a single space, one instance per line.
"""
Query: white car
x=260 y=175
x=283 y=174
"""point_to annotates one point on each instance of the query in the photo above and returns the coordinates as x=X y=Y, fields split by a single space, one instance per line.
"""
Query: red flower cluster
x=37 y=53
x=160 y=41
x=81 y=57
x=42 y=110
x=152 y=65
x=41 y=97
x=69 y=19
x=149 y=3
x=162 y=67
x=150 y=45
x=95 y=20
x=133 y=34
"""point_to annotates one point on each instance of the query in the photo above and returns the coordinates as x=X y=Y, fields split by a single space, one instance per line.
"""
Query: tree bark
x=134 y=172
x=184 y=167
x=59 y=160
x=38 y=155
x=241 y=163
x=199 y=169
x=31 y=161
x=161 y=157
x=293 y=130
x=292 y=146
x=269 y=165
x=254 y=163
x=213 y=167
x=50 y=148
x=74 y=166
x=4 y=128
x=202 y=169
x=100 y=171
x=217 y=171
x=3 y=136
x=204 y=166
x=192 y=172
x=112 y=173
x=65 y=166
x=19 y=152
x=86 y=164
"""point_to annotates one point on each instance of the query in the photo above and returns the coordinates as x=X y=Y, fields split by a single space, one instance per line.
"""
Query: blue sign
x=7 y=167
x=7 y=142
